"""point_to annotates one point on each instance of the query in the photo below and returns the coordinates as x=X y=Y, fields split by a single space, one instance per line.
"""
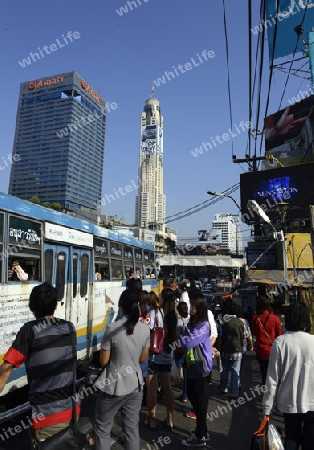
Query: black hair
x=138 y=285
x=170 y=317
x=200 y=303
x=183 y=309
x=144 y=299
x=128 y=302
x=130 y=283
x=263 y=303
x=43 y=300
x=297 y=317
x=232 y=308
x=167 y=282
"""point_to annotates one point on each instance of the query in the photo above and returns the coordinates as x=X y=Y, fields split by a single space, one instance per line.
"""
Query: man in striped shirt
x=45 y=346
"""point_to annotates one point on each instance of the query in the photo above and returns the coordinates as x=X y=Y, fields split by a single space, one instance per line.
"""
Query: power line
x=200 y=206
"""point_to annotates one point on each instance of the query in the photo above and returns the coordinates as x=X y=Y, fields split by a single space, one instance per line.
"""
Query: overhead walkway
x=200 y=261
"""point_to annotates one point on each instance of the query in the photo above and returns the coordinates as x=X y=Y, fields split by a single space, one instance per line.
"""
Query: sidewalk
x=230 y=425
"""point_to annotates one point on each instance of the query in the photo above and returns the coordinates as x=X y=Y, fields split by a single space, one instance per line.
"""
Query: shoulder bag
x=157 y=336
x=70 y=438
x=265 y=332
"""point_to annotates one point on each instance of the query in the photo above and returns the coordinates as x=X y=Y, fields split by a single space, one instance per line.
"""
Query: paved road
x=230 y=426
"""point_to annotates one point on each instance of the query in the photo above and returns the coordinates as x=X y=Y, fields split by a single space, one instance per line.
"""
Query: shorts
x=154 y=368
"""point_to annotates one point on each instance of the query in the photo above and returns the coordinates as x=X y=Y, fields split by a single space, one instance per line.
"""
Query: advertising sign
x=289 y=134
x=293 y=185
x=149 y=132
x=283 y=16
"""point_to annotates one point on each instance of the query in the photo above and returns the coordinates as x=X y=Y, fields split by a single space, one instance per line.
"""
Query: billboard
x=149 y=132
x=283 y=16
x=212 y=237
x=289 y=134
x=293 y=185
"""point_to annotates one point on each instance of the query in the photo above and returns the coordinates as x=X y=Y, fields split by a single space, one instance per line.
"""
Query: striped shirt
x=45 y=346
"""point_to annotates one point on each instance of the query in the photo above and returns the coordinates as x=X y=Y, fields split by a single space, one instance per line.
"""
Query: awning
x=301 y=278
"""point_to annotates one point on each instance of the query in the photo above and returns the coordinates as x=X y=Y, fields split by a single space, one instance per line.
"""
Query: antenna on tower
x=153 y=91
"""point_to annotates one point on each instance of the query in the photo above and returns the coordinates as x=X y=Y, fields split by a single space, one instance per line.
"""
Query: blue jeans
x=233 y=366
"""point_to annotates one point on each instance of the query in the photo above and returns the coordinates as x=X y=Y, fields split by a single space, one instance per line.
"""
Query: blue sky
x=120 y=56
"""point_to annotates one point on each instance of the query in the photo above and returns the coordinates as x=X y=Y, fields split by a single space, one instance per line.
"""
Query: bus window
x=116 y=260
x=101 y=252
x=48 y=265
x=74 y=267
x=116 y=269
x=102 y=270
x=60 y=278
x=128 y=259
x=84 y=274
x=24 y=246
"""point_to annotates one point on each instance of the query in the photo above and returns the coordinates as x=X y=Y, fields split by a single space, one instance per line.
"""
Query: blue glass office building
x=59 y=142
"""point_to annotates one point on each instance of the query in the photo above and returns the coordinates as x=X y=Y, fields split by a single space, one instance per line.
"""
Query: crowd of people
x=134 y=373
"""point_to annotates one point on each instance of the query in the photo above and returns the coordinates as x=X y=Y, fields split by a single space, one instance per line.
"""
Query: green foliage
x=34 y=200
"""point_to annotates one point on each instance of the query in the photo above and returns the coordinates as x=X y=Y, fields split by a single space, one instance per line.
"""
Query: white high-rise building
x=151 y=202
x=231 y=239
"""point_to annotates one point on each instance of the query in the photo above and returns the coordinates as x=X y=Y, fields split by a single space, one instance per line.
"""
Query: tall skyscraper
x=151 y=202
x=59 y=140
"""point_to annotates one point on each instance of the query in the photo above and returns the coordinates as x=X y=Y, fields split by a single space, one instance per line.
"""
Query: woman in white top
x=290 y=378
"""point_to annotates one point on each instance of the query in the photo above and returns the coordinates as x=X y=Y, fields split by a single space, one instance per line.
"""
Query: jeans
x=233 y=366
x=299 y=430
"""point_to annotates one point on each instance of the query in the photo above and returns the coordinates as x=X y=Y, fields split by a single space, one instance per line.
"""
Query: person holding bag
x=125 y=344
x=265 y=327
x=159 y=364
x=290 y=378
x=196 y=340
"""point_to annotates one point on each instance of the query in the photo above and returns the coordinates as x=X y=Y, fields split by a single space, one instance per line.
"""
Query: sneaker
x=207 y=436
x=192 y=415
x=194 y=441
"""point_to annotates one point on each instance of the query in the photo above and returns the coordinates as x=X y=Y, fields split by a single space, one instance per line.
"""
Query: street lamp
x=278 y=235
x=220 y=194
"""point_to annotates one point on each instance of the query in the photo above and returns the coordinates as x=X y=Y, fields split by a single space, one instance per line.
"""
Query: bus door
x=56 y=272
x=80 y=293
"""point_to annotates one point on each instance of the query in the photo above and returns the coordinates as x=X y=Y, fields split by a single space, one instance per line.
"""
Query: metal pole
x=285 y=265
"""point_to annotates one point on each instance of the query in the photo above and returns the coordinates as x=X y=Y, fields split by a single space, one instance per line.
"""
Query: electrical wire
x=261 y=65
x=200 y=206
x=295 y=50
x=250 y=72
x=271 y=72
x=228 y=70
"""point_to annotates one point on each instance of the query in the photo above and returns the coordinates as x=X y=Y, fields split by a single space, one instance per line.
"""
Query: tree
x=34 y=200
x=55 y=206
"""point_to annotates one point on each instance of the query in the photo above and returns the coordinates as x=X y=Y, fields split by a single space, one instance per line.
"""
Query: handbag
x=197 y=369
x=259 y=438
x=157 y=337
x=70 y=438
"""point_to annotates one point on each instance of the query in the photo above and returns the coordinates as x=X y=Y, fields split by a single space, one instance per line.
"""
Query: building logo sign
x=47 y=82
x=90 y=91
